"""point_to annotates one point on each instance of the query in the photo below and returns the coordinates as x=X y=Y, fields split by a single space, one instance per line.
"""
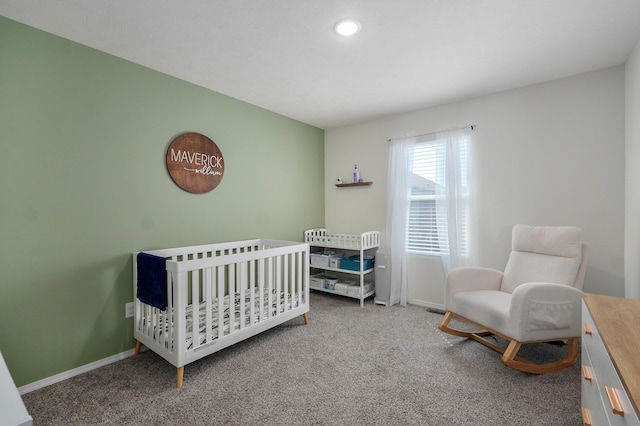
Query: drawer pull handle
x=587 y=328
x=586 y=417
x=614 y=401
x=586 y=373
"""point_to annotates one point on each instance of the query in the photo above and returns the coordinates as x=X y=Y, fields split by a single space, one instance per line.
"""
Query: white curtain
x=454 y=197
x=398 y=201
x=453 y=201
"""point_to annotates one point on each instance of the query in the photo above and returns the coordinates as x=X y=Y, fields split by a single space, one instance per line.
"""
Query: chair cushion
x=490 y=308
x=533 y=320
x=543 y=254
x=564 y=241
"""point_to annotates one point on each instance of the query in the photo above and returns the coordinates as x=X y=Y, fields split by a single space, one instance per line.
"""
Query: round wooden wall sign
x=195 y=163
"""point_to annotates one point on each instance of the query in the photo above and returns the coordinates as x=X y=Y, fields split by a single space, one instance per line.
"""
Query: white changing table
x=358 y=244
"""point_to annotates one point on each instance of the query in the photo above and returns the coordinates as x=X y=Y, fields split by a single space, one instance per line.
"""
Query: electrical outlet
x=128 y=310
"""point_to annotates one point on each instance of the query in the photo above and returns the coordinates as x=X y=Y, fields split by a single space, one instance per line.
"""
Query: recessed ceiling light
x=347 y=27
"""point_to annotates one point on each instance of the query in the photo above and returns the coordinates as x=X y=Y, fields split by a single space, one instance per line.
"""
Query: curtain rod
x=473 y=126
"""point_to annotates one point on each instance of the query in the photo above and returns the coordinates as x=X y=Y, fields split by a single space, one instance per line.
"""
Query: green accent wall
x=83 y=184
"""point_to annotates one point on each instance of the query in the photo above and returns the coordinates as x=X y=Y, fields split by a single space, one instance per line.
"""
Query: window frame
x=435 y=242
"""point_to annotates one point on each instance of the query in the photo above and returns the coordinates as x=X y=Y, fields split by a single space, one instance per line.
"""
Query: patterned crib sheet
x=260 y=313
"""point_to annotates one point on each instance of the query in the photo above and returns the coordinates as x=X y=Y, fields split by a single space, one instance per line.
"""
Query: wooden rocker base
x=180 y=370
x=509 y=355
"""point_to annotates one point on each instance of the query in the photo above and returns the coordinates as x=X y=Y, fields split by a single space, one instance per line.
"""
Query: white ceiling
x=283 y=55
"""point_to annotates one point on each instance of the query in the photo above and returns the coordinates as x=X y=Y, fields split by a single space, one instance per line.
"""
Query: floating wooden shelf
x=344 y=185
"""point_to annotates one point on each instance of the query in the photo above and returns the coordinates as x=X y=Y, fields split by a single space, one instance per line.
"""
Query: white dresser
x=610 y=360
x=12 y=410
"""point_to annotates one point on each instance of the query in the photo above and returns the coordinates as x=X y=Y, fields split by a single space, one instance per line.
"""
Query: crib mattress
x=260 y=313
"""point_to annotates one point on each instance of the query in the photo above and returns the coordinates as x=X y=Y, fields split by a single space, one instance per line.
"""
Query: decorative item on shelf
x=356 y=180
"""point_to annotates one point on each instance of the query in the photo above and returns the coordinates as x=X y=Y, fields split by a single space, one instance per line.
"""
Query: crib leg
x=138 y=347
x=180 y=374
x=305 y=317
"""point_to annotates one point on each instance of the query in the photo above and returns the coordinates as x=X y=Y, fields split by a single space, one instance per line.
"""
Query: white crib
x=239 y=289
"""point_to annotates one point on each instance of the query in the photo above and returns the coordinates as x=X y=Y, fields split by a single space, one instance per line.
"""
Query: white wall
x=632 y=207
x=549 y=154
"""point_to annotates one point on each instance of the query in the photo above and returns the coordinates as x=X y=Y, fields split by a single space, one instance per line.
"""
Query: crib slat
x=269 y=282
x=295 y=272
x=195 y=308
x=302 y=285
x=231 y=279
x=179 y=321
x=285 y=281
x=252 y=292
x=291 y=284
x=242 y=282
x=299 y=278
x=155 y=323
x=221 y=294
x=278 y=283
x=169 y=332
x=146 y=315
x=208 y=295
x=261 y=307
x=154 y=314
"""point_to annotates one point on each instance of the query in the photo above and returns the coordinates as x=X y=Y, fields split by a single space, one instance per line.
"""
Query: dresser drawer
x=591 y=340
x=604 y=393
x=593 y=408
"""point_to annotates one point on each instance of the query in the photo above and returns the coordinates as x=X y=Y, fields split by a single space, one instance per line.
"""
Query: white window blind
x=427 y=230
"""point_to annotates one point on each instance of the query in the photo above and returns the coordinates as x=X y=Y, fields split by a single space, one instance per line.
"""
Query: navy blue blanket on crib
x=152 y=280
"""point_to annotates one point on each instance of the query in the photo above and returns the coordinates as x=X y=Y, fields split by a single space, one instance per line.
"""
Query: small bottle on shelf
x=356 y=174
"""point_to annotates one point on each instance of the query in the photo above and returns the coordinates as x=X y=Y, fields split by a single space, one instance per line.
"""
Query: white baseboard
x=436 y=306
x=75 y=372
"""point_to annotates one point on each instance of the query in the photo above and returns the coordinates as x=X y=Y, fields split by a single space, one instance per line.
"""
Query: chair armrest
x=541 y=308
x=471 y=279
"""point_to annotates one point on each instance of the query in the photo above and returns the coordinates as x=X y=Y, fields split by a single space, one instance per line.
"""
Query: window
x=439 y=176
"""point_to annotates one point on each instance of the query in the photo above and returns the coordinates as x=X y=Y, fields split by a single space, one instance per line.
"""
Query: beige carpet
x=350 y=366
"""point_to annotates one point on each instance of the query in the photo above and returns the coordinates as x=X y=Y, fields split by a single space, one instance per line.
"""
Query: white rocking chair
x=538 y=298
